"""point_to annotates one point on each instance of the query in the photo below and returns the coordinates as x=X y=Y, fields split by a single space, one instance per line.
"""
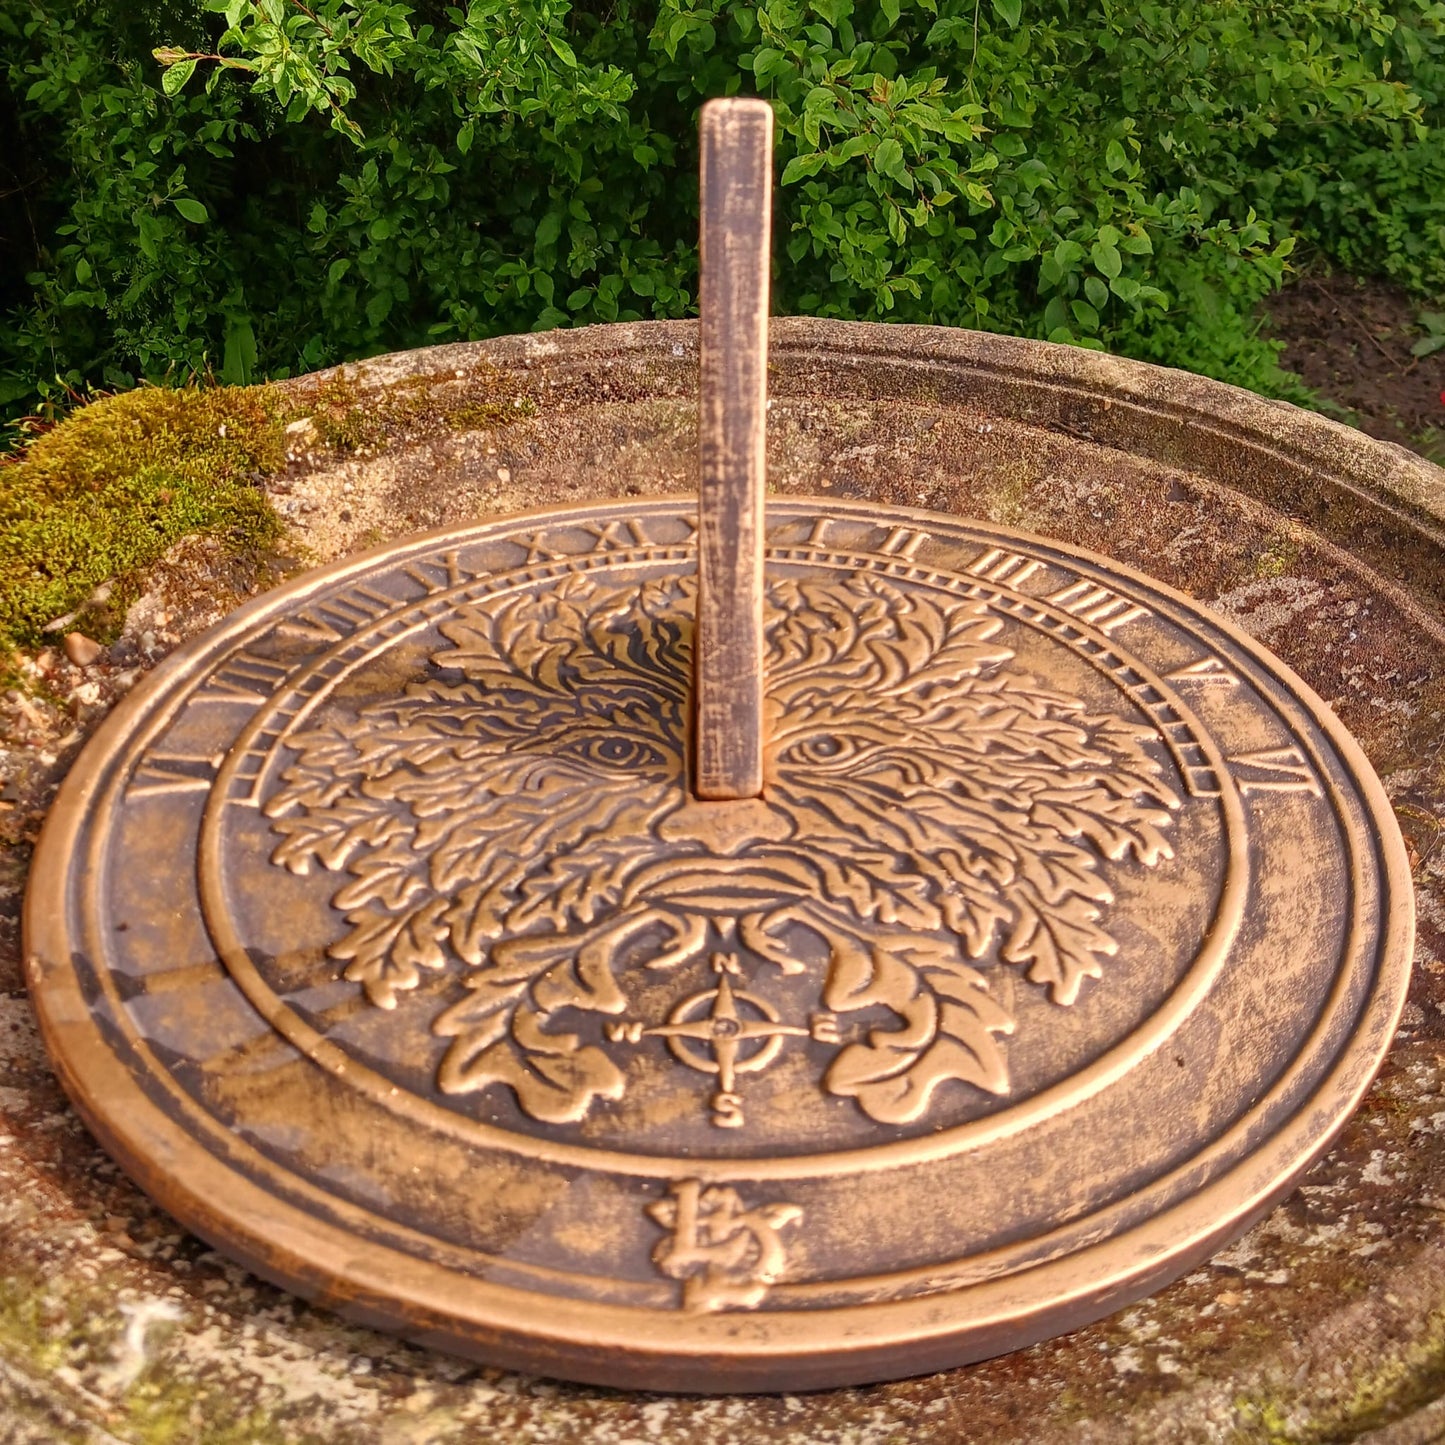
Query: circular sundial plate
x=377 y=936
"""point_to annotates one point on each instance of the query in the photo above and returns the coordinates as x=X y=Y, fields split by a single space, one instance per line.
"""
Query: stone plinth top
x=1320 y=1324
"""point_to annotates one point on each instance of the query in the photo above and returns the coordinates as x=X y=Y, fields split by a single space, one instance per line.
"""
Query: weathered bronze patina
x=381 y=936
x=392 y=935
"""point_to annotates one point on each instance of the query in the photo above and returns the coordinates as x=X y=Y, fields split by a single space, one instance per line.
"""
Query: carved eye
x=824 y=750
x=611 y=750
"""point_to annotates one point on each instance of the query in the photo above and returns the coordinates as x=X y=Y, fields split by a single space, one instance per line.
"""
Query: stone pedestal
x=1326 y=1322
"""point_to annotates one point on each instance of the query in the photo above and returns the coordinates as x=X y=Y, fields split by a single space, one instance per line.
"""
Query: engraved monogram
x=520 y=817
x=726 y=1256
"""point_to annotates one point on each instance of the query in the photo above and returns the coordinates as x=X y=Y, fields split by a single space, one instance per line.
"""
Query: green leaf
x=1114 y=156
x=465 y=135
x=192 y=210
x=380 y=229
x=1095 y=290
x=148 y=231
x=888 y=160
x=800 y=167
x=1107 y=259
x=175 y=76
x=548 y=229
x=1009 y=11
x=563 y=51
x=1124 y=288
x=765 y=60
x=239 y=357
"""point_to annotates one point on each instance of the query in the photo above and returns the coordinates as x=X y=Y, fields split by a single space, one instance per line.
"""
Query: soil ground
x=1350 y=342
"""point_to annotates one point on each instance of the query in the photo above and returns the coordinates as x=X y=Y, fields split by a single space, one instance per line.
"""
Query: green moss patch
x=101 y=498
x=344 y=419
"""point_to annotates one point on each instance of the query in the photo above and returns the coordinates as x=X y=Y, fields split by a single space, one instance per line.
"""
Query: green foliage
x=1432 y=323
x=101 y=497
x=259 y=187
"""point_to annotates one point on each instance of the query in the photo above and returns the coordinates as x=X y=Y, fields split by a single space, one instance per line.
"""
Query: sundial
x=694 y=946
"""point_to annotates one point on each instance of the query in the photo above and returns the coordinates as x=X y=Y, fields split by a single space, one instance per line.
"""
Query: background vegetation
x=260 y=187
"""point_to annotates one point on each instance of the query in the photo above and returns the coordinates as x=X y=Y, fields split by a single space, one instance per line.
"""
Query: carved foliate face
x=381 y=934
x=522 y=817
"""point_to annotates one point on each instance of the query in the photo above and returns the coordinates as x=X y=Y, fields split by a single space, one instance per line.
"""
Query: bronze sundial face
x=382 y=937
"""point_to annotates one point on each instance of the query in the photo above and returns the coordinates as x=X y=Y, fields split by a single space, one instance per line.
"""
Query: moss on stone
x=1009 y=493
x=475 y=415
x=89 y=506
x=1280 y=556
x=1383 y=1389
x=1262 y=1422
x=101 y=497
x=341 y=425
x=75 y=1336
x=346 y=418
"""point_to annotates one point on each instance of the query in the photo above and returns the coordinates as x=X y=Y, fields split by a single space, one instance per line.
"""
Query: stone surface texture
x=1324 y=1323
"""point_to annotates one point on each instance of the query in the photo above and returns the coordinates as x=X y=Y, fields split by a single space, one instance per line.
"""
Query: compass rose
x=727 y=1032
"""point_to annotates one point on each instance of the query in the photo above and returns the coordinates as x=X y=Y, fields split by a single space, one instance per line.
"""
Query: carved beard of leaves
x=515 y=817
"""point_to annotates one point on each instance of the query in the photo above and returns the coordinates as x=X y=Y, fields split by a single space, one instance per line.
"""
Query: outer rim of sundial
x=765 y=1349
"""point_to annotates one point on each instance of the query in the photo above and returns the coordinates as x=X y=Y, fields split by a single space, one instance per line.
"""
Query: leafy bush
x=287 y=184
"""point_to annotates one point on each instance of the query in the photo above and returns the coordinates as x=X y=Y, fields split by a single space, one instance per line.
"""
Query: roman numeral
x=609 y=534
x=242 y=678
x=338 y=617
x=1097 y=606
x=903 y=542
x=449 y=564
x=165 y=774
x=1275 y=770
x=538 y=549
x=1209 y=671
x=1006 y=568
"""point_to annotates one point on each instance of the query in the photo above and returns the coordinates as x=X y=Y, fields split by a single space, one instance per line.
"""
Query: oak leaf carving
x=938 y=814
